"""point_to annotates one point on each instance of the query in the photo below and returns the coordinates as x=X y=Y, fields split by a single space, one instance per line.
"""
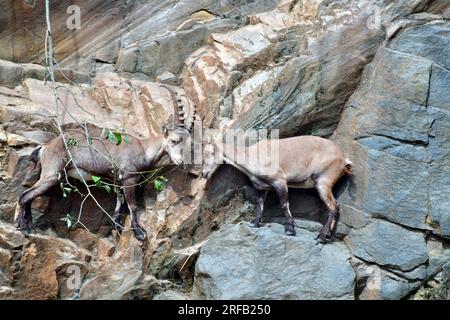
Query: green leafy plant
x=68 y=219
x=160 y=183
x=72 y=142
x=115 y=136
x=100 y=184
x=97 y=180
x=66 y=190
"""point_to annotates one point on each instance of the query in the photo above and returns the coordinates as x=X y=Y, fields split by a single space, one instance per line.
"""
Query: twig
x=49 y=60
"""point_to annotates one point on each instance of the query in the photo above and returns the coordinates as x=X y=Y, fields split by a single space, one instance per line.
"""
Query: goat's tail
x=34 y=172
x=35 y=155
x=348 y=167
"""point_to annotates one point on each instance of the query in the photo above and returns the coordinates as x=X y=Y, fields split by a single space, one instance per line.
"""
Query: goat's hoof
x=290 y=230
x=119 y=228
x=255 y=224
x=322 y=236
x=25 y=232
x=24 y=227
x=140 y=233
x=321 y=240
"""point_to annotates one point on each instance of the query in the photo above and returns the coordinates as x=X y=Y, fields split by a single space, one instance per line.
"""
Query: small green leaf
x=72 y=142
x=68 y=219
x=114 y=137
x=160 y=183
x=97 y=180
x=126 y=139
x=65 y=190
x=118 y=137
x=111 y=137
x=107 y=188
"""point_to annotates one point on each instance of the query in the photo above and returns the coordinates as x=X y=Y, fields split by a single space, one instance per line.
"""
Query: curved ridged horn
x=190 y=115
x=184 y=116
x=178 y=121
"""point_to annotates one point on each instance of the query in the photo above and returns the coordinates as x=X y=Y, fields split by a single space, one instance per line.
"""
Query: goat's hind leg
x=24 y=219
x=22 y=215
x=326 y=195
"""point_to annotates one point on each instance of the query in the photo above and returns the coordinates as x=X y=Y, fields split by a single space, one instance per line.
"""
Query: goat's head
x=184 y=116
x=174 y=144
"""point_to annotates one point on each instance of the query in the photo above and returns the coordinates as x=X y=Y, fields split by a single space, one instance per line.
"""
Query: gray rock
x=439 y=93
x=169 y=78
x=9 y=238
x=395 y=288
x=6 y=292
x=374 y=283
x=446 y=278
x=117 y=279
x=6 y=276
x=390 y=245
x=399 y=123
x=430 y=41
x=168 y=52
x=10 y=74
x=394 y=191
x=438 y=254
x=446 y=14
x=164 y=40
x=239 y=262
x=392 y=104
x=419 y=273
x=171 y=295
x=439 y=185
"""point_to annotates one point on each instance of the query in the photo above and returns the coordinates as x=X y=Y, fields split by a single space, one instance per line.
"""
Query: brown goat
x=121 y=163
x=302 y=162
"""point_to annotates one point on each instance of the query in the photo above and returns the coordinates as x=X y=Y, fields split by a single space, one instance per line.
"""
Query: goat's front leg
x=129 y=191
x=259 y=209
x=281 y=189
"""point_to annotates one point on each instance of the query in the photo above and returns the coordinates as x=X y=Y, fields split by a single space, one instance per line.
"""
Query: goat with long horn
x=301 y=162
x=93 y=155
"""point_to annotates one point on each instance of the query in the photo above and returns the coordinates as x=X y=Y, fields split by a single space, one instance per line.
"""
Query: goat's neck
x=231 y=154
x=154 y=147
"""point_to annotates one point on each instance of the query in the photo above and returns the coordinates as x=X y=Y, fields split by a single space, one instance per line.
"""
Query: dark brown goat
x=121 y=163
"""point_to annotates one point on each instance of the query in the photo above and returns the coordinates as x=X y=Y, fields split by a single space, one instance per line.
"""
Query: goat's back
x=302 y=156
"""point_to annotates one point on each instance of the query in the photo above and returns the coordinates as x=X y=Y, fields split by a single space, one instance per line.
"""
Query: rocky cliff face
x=372 y=75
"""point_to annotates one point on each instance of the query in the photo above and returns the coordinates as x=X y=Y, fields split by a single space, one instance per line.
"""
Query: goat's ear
x=165 y=131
